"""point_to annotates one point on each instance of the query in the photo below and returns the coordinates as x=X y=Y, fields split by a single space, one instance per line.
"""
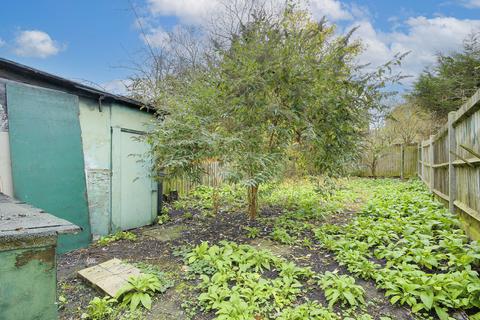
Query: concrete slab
x=110 y=275
x=274 y=247
x=165 y=233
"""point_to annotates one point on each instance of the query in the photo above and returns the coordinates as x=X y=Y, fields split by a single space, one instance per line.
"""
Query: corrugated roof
x=69 y=85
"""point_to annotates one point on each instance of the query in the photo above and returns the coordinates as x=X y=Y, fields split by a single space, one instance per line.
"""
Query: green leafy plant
x=120 y=235
x=281 y=235
x=163 y=218
x=233 y=285
x=139 y=290
x=341 y=288
x=310 y=310
x=252 y=232
x=99 y=308
x=429 y=263
x=62 y=301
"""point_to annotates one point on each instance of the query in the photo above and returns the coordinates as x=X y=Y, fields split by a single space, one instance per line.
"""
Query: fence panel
x=390 y=163
x=452 y=170
x=213 y=177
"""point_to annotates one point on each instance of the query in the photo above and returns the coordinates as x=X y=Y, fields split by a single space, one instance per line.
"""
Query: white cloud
x=201 y=11
x=189 y=11
x=35 y=43
x=472 y=3
x=2 y=42
x=157 y=37
x=117 y=86
x=423 y=37
x=332 y=9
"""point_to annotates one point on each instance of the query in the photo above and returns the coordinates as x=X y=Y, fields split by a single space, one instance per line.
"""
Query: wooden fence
x=449 y=164
x=395 y=161
x=213 y=177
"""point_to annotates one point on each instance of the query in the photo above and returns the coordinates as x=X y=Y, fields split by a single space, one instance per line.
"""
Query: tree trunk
x=215 y=200
x=252 y=202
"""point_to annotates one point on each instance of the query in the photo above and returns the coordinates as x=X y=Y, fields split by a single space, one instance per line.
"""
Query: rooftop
x=20 y=220
x=24 y=73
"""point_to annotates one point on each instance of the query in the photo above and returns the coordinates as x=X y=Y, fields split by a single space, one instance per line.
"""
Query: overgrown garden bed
x=344 y=249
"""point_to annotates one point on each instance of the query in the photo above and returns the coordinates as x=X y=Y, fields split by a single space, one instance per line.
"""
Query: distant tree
x=452 y=80
x=407 y=123
x=283 y=80
x=374 y=147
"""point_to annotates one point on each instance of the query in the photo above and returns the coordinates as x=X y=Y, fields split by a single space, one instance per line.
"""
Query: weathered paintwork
x=6 y=185
x=47 y=157
x=126 y=190
x=28 y=281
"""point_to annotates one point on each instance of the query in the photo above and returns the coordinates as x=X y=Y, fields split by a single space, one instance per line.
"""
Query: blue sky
x=97 y=40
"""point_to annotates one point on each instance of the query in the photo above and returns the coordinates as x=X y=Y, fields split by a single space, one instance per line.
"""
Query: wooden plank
x=432 y=162
x=470 y=106
x=440 y=194
x=441 y=165
x=452 y=178
x=472 y=161
x=471 y=212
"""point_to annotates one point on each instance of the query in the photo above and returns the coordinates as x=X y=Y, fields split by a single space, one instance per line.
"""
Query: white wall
x=6 y=185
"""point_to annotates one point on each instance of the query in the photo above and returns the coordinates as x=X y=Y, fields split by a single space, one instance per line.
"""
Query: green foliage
x=252 y=232
x=453 y=79
x=429 y=263
x=163 y=218
x=310 y=310
x=62 y=302
x=281 y=235
x=99 y=308
x=284 y=84
x=309 y=199
x=120 y=235
x=341 y=289
x=140 y=289
x=233 y=281
x=202 y=198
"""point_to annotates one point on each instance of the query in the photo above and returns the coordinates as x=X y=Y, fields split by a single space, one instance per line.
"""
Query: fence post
x=452 y=177
x=419 y=159
x=422 y=165
x=402 y=162
x=432 y=162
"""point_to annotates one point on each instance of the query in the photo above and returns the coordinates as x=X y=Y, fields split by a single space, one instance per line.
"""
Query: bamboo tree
x=284 y=81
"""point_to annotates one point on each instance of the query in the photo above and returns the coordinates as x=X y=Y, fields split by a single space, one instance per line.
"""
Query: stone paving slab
x=110 y=275
x=165 y=233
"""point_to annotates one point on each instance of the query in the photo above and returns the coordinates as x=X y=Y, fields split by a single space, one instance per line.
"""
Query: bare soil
x=156 y=245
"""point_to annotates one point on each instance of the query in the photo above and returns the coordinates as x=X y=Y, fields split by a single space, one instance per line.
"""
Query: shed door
x=133 y=192
x=47 y=157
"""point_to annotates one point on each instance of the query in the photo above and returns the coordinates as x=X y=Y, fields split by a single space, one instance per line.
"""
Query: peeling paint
x=45 y=255
x=98 y=186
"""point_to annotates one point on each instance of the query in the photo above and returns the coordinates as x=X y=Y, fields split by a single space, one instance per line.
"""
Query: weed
x=99 y=308
x=252 y=232
x=139 y=290
x=120 y=235
x=341 y=288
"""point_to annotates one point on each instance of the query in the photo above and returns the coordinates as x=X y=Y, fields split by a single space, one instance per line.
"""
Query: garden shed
x=74 y=151
x=28 y=237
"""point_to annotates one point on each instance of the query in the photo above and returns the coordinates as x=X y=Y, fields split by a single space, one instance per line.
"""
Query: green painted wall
x=47 y=156
x=97 y=127
x=28 y=284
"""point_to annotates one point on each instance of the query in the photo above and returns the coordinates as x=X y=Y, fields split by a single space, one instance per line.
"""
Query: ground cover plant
x=120 y=235
x=240 y=282
x=412 y=247
x=351 y=249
